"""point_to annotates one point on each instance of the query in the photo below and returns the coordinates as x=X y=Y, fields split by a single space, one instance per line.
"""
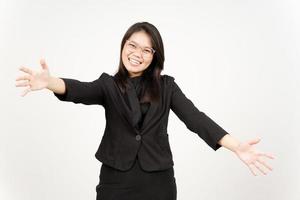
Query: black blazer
x=122 y=141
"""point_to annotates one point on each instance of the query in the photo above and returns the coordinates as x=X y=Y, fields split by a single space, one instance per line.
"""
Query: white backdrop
x=238 y=61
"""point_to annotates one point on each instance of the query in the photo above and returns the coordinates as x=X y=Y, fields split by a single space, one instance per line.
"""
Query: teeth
x=134 y=61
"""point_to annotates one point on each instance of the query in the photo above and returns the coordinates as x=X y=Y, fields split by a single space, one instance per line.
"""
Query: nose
x=138 y=53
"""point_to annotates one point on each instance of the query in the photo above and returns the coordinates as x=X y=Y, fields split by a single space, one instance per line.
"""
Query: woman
x=135 y=152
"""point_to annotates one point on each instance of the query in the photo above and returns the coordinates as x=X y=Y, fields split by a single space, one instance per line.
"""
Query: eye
x=132 y=45
x=147 y=51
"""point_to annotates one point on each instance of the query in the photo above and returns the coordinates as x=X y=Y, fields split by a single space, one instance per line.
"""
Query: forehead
x=141 y=38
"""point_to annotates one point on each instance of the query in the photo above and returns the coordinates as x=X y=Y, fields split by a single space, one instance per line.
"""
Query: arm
x=72 y=90
x=63 y=88
x=195 y=120
x=214 y=135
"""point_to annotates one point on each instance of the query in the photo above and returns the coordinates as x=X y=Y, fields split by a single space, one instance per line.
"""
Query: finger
x=25 y=92
x=254 y=141
x=43 y=63
x=251 y=167
x=266 y=155
x=26 y=70
x=259 y=168
x=22 y=84
x=264 y=164
x=24 y=77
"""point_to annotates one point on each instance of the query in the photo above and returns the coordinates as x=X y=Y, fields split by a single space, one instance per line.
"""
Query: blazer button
x=138 y=137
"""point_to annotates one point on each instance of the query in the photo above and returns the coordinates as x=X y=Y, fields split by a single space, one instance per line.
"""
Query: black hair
x=150 y=80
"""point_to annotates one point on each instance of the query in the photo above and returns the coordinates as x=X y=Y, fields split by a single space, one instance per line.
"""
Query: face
x=135 y=54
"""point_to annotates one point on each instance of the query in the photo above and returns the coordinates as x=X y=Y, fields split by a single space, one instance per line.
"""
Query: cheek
x=148 y=62
x=124 y=57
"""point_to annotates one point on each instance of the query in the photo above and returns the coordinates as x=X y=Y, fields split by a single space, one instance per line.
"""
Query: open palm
x=34 y=80
x=253 y=158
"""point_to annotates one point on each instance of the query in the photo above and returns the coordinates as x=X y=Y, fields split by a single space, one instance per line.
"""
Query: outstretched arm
x=214 y=135
x=64 y=89
x=194 y=119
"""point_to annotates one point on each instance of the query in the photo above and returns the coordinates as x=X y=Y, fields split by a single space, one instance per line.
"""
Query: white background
x=238 y=61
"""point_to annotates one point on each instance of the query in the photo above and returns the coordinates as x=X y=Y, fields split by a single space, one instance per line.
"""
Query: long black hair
x=150 y=80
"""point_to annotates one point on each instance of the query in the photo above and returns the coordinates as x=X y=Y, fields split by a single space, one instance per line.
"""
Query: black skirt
x=136 y=184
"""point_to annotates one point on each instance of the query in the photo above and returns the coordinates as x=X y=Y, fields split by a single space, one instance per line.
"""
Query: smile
x=134 y=62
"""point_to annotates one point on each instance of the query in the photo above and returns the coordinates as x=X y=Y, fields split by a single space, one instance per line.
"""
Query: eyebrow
x=139 y=44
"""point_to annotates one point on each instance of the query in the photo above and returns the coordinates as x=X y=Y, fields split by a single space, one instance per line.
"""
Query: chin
x=136 y=72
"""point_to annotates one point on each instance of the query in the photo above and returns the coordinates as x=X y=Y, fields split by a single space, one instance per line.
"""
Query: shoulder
x=105 y=75
x=169 y=82
x=168 y=79
x=105 y=80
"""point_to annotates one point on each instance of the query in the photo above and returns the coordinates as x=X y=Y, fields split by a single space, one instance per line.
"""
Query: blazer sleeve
x=87 y=93
x=195 y=120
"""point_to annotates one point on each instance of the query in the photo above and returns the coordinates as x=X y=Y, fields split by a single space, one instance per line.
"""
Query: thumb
x=254 y=141
x=43 y=63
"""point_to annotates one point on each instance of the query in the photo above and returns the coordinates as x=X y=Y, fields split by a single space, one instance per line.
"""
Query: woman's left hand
x=253 y=158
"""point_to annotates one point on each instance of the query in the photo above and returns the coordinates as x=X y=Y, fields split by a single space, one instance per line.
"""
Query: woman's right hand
x=34 y=80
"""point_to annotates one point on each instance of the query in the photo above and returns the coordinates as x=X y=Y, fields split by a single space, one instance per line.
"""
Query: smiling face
x=135 y=53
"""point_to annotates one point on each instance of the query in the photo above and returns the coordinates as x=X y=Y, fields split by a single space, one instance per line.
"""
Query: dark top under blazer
x=122 y=141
